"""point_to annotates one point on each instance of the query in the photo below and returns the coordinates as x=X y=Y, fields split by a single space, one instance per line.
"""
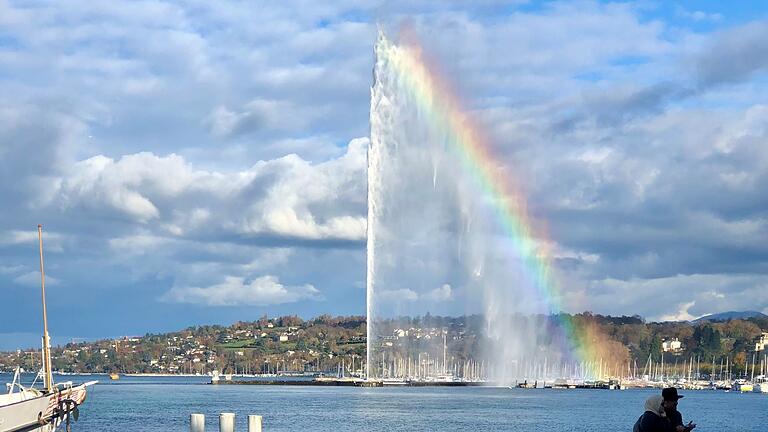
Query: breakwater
x=352 y=383
x=344 y=382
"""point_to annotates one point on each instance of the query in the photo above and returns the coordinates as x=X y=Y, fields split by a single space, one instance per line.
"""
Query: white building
x=674 y=345
x=761 y=343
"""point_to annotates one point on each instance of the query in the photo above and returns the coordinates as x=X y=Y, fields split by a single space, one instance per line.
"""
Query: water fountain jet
x=449 y=234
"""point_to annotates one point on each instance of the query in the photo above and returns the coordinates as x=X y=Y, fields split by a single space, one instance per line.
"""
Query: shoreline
x=368 y=384
x=379 y=383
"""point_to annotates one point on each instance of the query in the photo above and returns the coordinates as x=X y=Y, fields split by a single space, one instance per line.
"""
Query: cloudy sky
x=199 y=162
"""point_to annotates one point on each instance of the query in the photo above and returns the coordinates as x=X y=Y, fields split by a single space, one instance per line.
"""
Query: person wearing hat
x=670 y=409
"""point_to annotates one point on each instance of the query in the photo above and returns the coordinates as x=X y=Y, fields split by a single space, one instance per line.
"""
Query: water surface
x=165 y=403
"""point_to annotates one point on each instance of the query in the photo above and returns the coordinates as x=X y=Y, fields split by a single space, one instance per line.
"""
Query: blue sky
x=195 y=162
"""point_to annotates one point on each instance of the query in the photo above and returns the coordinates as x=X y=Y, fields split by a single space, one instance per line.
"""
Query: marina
x=737 y=386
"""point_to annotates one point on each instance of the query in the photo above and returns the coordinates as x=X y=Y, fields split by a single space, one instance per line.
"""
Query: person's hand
x=690 y=426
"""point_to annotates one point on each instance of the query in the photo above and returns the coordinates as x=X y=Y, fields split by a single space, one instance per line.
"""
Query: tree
x=707 y=340
x=739 y=362
x=650 y=346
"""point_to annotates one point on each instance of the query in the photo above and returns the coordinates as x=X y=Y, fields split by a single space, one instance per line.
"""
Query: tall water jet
x=449 y=234
x=412 y=210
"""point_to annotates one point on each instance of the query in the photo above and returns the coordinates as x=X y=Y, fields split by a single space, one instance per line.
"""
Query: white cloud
x=681 y=296
x=285 y=197
x=223 y=122
x=238 y=291
x=441 y=294
x=52 y=241
x=32 y=279
x=101 y=181
x=19 y=237
x=398 y=295
x=286 y=222
x=682 y=313
x=261 y=114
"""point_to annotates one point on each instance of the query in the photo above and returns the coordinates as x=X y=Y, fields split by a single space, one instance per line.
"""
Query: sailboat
x=25 y=409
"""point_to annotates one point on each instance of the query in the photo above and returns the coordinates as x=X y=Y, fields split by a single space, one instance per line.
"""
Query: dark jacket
x=650 y=422
x=675 y=418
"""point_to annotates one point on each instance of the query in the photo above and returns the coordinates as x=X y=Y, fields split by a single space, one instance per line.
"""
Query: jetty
x=346 y=382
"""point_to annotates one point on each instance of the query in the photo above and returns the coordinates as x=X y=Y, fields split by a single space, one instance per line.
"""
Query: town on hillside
x=337 y=345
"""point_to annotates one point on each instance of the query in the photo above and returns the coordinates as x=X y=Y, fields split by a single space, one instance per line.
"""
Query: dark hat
x=670 y=393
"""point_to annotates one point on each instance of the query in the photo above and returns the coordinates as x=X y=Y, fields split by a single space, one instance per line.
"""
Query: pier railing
x=226 y=423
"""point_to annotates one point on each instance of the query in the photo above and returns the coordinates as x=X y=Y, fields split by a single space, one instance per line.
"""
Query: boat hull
x=22 y=410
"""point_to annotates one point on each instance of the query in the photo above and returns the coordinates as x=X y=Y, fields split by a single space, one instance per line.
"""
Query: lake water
x=165 y=403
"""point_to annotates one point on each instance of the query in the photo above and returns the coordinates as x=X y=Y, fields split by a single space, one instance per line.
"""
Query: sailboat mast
x=46 y=339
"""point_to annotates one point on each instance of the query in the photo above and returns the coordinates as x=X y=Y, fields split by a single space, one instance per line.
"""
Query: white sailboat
x=25 y=409
x=21 y=407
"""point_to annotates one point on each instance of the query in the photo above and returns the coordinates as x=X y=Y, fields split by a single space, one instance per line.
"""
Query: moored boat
x=743 y=386
x=43 y=410
x=22 y=407
x=394 y=382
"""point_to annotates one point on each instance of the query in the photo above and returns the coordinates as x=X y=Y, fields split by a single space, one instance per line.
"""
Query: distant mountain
x=725 y=316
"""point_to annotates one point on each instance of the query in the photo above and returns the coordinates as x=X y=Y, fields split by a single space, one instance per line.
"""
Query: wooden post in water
x=197 y=423
x=227 y=422
x=254 y=423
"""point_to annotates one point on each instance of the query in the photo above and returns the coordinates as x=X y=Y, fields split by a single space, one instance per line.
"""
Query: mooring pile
x=226 y=423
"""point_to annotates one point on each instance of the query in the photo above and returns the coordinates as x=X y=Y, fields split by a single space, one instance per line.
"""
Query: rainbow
x=442 y=109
